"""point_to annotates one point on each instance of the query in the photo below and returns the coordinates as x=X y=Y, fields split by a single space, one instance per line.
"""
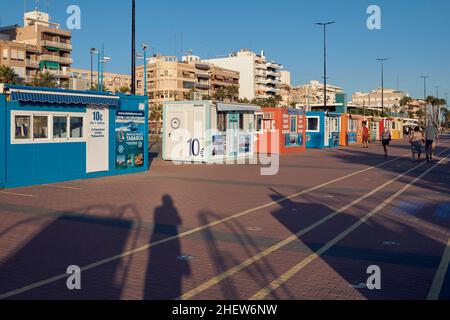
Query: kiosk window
x=259 y=119
x=312 y=124
x=293 y=124
x=76 y=127
x=59 y=127
x=22 y=127
x=40 y=127
x=241 y=121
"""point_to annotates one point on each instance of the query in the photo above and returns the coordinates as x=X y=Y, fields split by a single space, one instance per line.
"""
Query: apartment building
x=391 y=99
x=47 y=47
x=259 y=77
x=313 y=93
x=171 y=80
x=113 y=82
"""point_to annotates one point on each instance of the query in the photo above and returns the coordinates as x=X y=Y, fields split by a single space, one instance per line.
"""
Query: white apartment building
x=259 y=77
x=285 y=77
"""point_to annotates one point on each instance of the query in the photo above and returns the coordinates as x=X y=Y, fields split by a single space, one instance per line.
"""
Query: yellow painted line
x=438 y=282
x=18 y=194
x=297 y=268
x=217 y=279
x=190 y=232
x=60 y=187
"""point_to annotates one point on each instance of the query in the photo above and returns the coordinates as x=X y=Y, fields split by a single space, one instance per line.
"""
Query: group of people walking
x=428 y=137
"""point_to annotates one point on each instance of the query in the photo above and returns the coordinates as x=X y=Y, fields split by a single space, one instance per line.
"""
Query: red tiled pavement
x=97 y=219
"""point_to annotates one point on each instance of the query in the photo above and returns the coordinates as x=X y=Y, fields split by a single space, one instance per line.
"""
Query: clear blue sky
x=414 y=35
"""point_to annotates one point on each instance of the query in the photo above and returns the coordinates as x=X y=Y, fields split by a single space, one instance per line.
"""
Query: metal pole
x=382 y=60
x=133 y=47
x=92 y=57
x=325 y=65
x=145 y=72
x=425 y=96
x=325 y=59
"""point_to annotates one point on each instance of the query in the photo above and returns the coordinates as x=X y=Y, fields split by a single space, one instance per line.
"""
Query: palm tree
x=232 y=91
x=123 y=89
x=155 y=116
x=219 y=94
x=44 y=79
x=7 y=75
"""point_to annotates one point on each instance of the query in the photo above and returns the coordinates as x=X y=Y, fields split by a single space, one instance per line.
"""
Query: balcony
x=62 y=60
x=55 y=44
x=58 y=73
x=202 y=86
x=32 y=64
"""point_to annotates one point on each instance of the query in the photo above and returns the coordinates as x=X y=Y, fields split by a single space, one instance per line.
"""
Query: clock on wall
x=175 y=123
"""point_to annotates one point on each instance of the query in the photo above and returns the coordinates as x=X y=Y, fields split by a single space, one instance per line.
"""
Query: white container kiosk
x=208 y=131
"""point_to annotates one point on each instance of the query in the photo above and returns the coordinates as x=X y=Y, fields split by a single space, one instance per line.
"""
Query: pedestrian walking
x=386 y=139
x=365 y=136
x=431 y=139
x=416 y=140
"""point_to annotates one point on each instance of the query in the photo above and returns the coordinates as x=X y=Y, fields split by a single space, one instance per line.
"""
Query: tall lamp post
x=92 y=52
x=102 y=81
x=382 y=60
x=324 y=25
x=144 y=57
x=425 y=96
x=133 y=47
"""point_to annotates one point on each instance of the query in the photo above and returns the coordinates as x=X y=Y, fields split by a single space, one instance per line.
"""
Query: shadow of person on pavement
x=166 y=266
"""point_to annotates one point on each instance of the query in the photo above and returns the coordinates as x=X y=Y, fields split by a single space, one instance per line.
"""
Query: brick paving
x=44 y=229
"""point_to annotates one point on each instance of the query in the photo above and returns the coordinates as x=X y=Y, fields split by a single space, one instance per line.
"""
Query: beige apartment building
x=314 y=94
x=113 y=82
x=391 y=99
x=171 y=80
x=47 y=47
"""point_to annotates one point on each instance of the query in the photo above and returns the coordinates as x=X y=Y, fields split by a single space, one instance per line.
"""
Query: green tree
x=44 y=79
x=123 y=89
x=220 y=94
x=405 y=101
x=7 y=75
x=231 y=92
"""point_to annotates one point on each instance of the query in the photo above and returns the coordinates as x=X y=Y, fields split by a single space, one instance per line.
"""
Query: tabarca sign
x=130 y=127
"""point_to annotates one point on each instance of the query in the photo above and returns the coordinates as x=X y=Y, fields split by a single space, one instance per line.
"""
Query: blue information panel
x=130 y=127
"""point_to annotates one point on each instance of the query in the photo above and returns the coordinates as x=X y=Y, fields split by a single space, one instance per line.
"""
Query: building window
x=22 y=125
x=40 y=127
x=352 y=124
x=59 y=127
x=5 y=53
x=76 y=127
x=241 y=121
x=312 y=124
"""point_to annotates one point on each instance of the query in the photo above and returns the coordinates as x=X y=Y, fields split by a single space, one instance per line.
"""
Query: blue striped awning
x=64 y=98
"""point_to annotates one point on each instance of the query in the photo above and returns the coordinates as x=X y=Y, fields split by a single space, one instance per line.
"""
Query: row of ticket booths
x=210 y=131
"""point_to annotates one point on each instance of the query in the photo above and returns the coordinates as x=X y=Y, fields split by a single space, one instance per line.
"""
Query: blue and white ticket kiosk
x=54 y=135
x=322 y=129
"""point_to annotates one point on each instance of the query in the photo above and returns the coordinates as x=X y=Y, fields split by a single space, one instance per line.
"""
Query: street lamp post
x=92 y=51
x=103 y=62
x=324 y=25
x=425 y=96
x=133 y=47
x=382 y=60
x=144 y=57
